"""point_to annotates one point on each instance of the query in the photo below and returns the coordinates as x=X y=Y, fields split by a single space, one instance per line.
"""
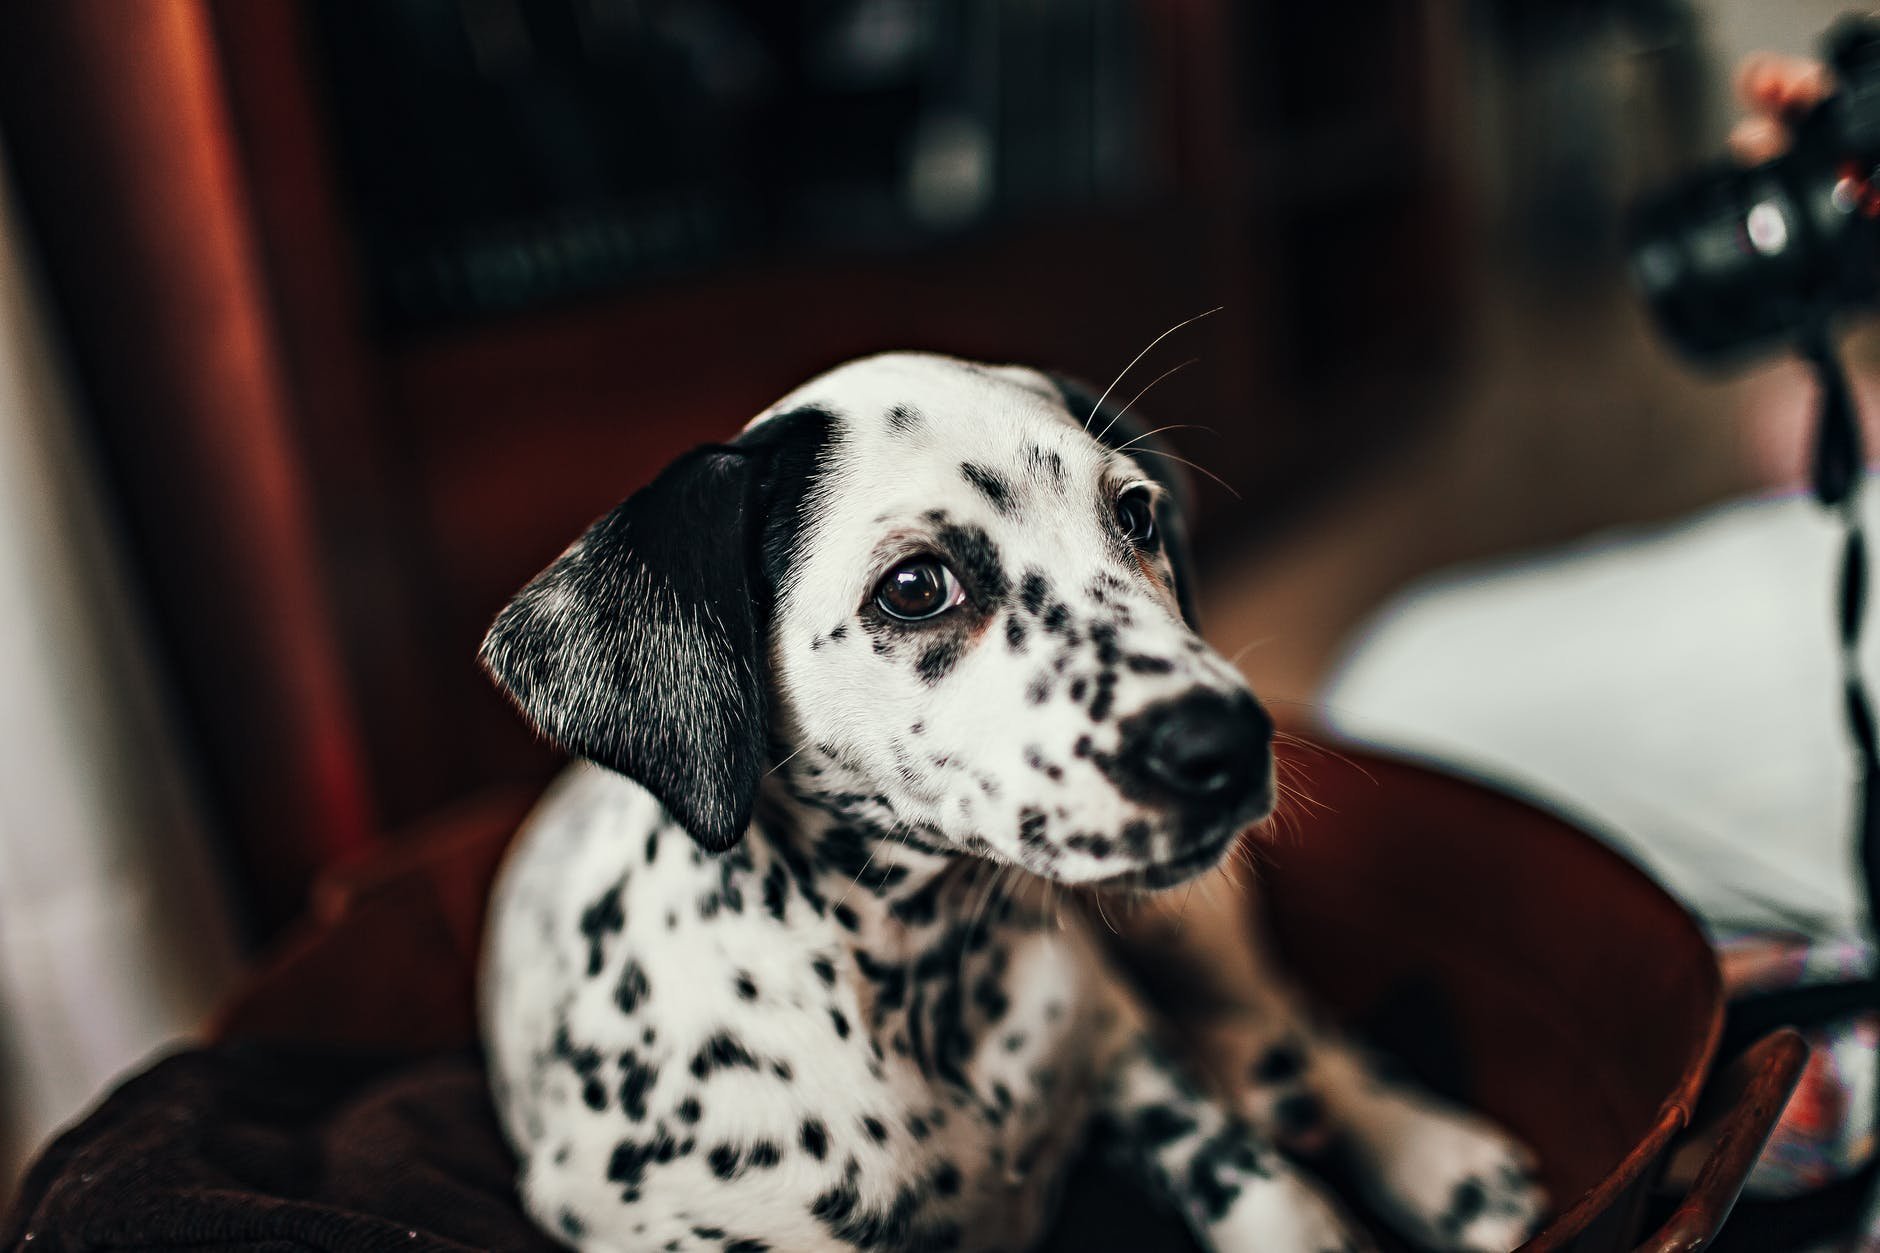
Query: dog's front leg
x=1442 y=1175
x=1238 y=1194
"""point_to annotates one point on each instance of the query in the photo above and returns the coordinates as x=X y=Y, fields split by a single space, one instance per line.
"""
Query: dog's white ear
x=1116 y=429
x=641 y=647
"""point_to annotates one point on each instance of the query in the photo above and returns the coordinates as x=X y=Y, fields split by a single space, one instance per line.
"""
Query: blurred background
x=324 y=326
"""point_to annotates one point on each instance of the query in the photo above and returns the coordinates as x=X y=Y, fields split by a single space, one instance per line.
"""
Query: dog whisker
x=1173 y=426
x=1139 y=395
x=859 y=873
x=1181 y=915
x=1097 y=408
x=1156 y=452
x=1248 y=647
x=1317 y=746
x=786 y=761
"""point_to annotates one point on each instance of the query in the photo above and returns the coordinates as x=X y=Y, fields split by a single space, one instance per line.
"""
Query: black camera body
x=1735 y=262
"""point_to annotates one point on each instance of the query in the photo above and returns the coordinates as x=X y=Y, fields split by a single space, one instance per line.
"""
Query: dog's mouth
x=1190 y=863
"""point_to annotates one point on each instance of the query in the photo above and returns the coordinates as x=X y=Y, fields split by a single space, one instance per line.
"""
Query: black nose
x=1207 y=747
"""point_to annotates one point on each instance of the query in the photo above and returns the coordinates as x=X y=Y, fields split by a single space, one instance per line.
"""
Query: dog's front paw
x=1284 y=1211
x=1449 y=1180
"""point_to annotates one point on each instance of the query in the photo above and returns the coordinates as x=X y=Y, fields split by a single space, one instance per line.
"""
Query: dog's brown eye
x=1136 y=515
x=921 y=587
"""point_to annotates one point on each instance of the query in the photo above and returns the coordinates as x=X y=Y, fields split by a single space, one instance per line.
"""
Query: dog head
x=946 y=597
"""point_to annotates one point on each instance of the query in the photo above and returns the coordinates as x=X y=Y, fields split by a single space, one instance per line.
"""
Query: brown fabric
x=246 y=1147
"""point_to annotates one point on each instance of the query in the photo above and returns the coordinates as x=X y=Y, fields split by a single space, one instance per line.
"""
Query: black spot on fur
x=814 y=1138
x=1015 y=634
x=841 y=1022
x=633 y=988
x=890 y=980
x=636 y=1080
x=876 y=1130
x=919 y=908
x=1220 y=1167
x=776 y=890
x=723 y=1159
x=764 y=1154
x=604 y=917
x=1465 y=1205
x=1033 y=592
x=979 y=558
x=722 y=1052
x=1280 y=1064
x=847 y=917
x=842 y=1213
x=992 y=485
x=825 y=971
x=989 y=996
x=746 y=986
x=689 y=1110
x=938 y=659
x=585 y=1061
x=1032 y=842
x=1157 y=1125
x=903 y=419
x=746 y=1246
x=850 y=852
x=628 y=1163
x=1046 y=463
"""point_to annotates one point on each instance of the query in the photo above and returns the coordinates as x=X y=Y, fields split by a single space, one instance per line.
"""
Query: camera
x=1738 y=262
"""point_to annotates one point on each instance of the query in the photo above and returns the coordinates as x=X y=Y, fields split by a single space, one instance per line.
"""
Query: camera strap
x=1839 y=473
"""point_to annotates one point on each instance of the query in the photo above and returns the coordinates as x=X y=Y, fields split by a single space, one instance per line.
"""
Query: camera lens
x=1729 y=261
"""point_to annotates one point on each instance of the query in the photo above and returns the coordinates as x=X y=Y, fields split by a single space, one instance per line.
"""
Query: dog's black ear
x=1116 y=429
x=641 y=647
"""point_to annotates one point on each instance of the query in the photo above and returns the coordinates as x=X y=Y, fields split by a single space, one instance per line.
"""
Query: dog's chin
x=1200 y=853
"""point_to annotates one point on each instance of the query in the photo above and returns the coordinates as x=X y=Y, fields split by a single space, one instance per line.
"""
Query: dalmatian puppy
x=872 y=701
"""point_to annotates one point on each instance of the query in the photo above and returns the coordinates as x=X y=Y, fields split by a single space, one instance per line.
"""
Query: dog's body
x=905 y=657
x=778 y=1076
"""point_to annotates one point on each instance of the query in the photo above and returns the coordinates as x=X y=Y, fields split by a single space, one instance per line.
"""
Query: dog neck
x=877 y=873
